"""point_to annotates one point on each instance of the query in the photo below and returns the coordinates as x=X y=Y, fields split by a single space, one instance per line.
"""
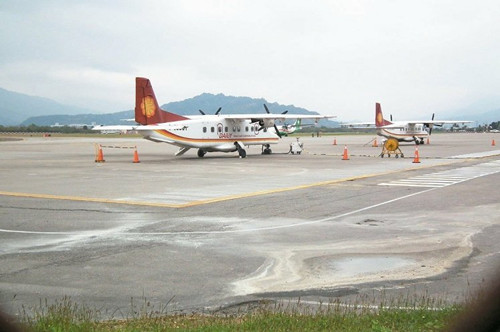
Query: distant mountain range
x=20 y=109
x=17 y=107
x=45 y=112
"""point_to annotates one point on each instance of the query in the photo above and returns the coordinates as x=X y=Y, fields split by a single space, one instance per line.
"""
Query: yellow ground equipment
x=391 y=146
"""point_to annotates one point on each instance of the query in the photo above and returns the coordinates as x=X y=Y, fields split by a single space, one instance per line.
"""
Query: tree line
x=32 y=128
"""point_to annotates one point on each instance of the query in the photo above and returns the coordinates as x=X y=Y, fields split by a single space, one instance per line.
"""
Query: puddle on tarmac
x=352 y=266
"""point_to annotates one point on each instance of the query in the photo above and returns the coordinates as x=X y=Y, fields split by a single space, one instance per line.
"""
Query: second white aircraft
x=403 y=131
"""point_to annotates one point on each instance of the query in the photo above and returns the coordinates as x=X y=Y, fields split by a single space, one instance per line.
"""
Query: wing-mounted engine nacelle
x=268 y=123
x=264 y=123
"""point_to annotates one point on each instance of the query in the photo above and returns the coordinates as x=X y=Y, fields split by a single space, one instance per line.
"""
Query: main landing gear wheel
x=241 y=151
x=201 y=153
x=391 y=146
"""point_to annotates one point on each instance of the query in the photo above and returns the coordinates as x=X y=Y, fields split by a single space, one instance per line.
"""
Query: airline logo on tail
x=148 y=106
x=379 y=117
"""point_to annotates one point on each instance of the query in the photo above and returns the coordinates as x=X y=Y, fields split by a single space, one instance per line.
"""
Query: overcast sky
x=334 y=57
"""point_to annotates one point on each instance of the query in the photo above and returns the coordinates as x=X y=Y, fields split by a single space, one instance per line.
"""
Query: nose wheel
x=266 y=149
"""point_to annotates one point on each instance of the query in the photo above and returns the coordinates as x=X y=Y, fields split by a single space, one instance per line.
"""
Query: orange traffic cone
x=345 y=156
x=375 y=143
x=100 y=157
x=136 y=157
x=493 y=142
x=417 y=158
x=334 y=141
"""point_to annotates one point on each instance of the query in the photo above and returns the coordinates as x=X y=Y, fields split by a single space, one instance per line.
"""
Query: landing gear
x=418 y=141
x=240 y=149
x=266 y=149
x=201 y=153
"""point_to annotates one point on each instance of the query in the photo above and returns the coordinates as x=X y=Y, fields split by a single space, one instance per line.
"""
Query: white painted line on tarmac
x=494 y=167
x=448 y=177
x=311 y=222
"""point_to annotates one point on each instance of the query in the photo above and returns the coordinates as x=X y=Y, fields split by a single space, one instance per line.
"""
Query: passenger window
x=204 y=129
x=212 y=129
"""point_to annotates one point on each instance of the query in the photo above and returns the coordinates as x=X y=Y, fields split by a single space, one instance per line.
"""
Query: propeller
x=430 y=125
x=275 y=127
x=390 y=115
x=216 y=113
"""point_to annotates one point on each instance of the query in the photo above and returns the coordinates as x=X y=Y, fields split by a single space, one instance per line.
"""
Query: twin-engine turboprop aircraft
x=403 y=131
x=207 y=133
x=286 y=130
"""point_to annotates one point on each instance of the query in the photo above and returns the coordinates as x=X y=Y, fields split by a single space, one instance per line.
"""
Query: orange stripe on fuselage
x=178 y=138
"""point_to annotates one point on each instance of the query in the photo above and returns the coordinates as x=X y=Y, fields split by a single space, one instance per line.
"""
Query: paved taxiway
x=217 y=231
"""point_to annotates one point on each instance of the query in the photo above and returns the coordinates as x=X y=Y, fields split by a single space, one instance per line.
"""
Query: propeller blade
x=390 y=116
x=277 y=131
x=432 y=116
x=267 y=109
x=202 y=113
x=217 y=113
x=284 y=112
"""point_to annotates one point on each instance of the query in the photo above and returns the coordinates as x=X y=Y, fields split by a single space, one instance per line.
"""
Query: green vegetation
x=65 y=315
x=495 y=125
x=45 y=129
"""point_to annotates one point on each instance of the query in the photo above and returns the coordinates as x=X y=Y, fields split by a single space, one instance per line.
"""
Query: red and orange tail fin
x=147 y=110
x=379 y=117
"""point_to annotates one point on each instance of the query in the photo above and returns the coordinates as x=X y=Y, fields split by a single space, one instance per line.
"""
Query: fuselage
x=405 y=132
x=210 y=133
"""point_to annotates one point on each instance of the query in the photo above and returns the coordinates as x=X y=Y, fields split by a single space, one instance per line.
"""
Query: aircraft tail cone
x=136 y=157
x=346 y=155
x=99 y=156
x=334 y=141
x=416 y=160
x=493 y=142
x=375 y=143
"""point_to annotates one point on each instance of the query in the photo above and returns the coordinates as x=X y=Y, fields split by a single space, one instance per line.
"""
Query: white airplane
x=403 y=131
x=286 y=130
x=207 y=133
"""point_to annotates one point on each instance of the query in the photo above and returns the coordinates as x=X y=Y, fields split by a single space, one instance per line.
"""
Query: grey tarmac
x=196 y=234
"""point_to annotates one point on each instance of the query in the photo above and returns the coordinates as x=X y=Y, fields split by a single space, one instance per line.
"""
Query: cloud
x=332 y=57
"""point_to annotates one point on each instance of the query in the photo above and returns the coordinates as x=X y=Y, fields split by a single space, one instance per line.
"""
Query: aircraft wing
x=267 y=117
x=359 y=125
x=438 y=122
x=114 y=128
